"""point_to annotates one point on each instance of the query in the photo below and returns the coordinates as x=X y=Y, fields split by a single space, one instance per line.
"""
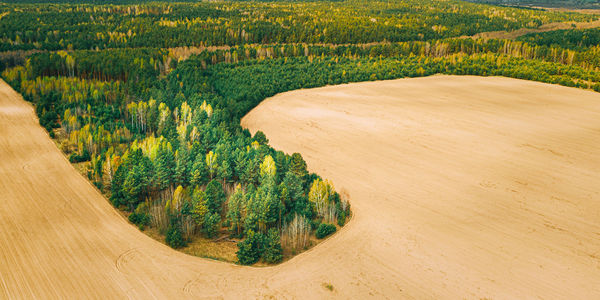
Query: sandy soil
x=462 y=187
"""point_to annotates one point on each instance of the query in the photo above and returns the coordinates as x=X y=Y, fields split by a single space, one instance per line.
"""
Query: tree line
x=76 y=26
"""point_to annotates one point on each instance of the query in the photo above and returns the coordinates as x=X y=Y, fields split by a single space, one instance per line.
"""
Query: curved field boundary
x=462 y=187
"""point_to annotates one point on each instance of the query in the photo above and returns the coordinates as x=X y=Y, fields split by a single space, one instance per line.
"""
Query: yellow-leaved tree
x=268 y=168
x=320 y=194
x=174 y=205
x=211 y=163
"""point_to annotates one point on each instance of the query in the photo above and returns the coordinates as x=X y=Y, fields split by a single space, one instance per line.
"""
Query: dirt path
x=462 y=187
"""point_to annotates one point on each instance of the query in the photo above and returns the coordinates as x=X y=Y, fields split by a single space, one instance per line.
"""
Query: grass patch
x=203 y=247
x=328 y=286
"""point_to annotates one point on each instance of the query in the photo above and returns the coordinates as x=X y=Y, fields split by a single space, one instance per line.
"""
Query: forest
x=166 y=25
x=148 y=98
x=579 y=39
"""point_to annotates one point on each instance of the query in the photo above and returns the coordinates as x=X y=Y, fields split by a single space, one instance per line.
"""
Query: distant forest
x=523 y=3
x=584 y=4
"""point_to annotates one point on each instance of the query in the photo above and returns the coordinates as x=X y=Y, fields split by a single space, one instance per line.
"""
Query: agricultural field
x=133 y=128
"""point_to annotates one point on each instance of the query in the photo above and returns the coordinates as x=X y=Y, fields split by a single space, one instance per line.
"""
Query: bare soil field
x=461 y=187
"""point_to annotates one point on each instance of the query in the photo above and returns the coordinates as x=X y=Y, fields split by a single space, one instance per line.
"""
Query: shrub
x=174 y=237
x=76 y=158
x=258 y=245
x=140 y=219
x=250 y=249
x=99 y=185
x=273 y=252
x=49 y=121
x=341 y=219
x=314 y=224
x=324 y=230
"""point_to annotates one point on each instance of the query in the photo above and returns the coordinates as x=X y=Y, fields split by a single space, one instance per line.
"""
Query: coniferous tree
x=298 y=166
x=199 y=174
x=165 y=166
x=235 y=207
x=215 y=196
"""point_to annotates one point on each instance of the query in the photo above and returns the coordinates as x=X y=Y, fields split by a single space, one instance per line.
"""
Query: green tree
x=211 y=224
x=261 y=138
x=199 y=207
x=164 y=165
x=294 y=186
x=281 y=164
x=250 y=249
x=273 y=252
x=251 y=173
x=265 y=205
x=215 y=196
x=182 y=173
x=174 y=238
x=298 y=166
x=225 y=173
x=235 y=211
x=199 y=172
x=137 y=181
x=169 y=131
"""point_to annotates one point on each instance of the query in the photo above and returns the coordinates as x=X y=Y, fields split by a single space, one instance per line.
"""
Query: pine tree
x=281 y=164
x=298 y=166
x=199 y=208
x=215 y=196
x=250 y=250
x=138 y=179
x=251 y=173
x=199 y=174
x=211 y=224
x=182 y=173
x=266 y=204
x=165 y=166
x=224 y=172
x=235 y=210
x=272 y=249
x=261 y=138
x=293 y=184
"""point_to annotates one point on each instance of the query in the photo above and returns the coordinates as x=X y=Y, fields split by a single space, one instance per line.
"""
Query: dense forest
x=149 y=97
x=579 y=39
x=166 y=25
